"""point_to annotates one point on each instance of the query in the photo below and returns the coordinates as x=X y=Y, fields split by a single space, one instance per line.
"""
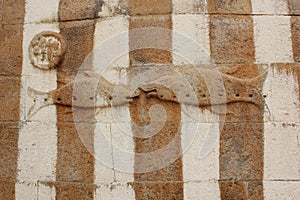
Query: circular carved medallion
x=46 y=50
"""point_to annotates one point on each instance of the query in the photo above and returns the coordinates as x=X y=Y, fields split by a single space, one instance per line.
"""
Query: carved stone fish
x=86 y=92
x=204 y=87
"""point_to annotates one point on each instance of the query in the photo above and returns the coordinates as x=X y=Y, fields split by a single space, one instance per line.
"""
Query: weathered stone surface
x=233 y=190
x=255 y=191
x=112 y=8
x=241 y=112
x=158 y=140
x=10 y=98
x=74 y=191
x=79 y=9
x=241 y=142
x=9 y=133
x=281 y=151
x=12 y=12
x=150 y=7
x=285 y=105
x=281 y=189
x=148 y=190
x=294 y=6
x=273 y=42
x=7 y=190
x=270 y=7
x=231 y=39
x=115 y=190
x=26 y=190
x=295 y=28
x=229 y=6
x=79 y=37
x=142 y=117
x=11 y=49
x=201 y=190
x=241 y=151
x=192 y=31
x=75 y=161
x=139 y=42
x=189 y=6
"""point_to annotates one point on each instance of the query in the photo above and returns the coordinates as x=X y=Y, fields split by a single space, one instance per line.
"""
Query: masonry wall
x=247 y=148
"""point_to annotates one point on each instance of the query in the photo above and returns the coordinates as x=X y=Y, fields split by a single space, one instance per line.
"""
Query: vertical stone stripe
x=241 y=139
x=37 y=143
x=146 y=15
x=191 y=46
x=75 y=161
x=295 y=28
x=165 y=183
x=278 y=44
x=11 y=51
x=242 y=145
x=114 y=168
x=282 y=128
x=200 y=174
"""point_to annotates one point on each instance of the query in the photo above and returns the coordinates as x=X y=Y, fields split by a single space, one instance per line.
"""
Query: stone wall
x=152 y=99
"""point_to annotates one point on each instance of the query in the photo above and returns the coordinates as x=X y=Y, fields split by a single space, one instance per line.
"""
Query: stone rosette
x=47 y=50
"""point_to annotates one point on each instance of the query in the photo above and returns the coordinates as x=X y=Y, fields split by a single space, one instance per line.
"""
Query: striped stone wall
x=240 y=150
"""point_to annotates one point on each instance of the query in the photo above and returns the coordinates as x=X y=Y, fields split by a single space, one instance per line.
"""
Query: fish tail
x=38 y=100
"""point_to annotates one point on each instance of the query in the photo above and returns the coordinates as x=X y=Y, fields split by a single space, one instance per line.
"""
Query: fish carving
x=200 y=87
x=91 y=91
x=204 y=87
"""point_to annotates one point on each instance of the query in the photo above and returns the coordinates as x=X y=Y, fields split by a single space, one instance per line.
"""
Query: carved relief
x=209 y=87
x=46 y=50
x=91 y=92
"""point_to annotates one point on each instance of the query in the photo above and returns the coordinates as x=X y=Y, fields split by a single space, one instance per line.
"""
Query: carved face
x=46 y=50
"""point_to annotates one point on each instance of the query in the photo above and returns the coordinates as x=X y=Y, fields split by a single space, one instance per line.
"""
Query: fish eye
x=58 y=99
